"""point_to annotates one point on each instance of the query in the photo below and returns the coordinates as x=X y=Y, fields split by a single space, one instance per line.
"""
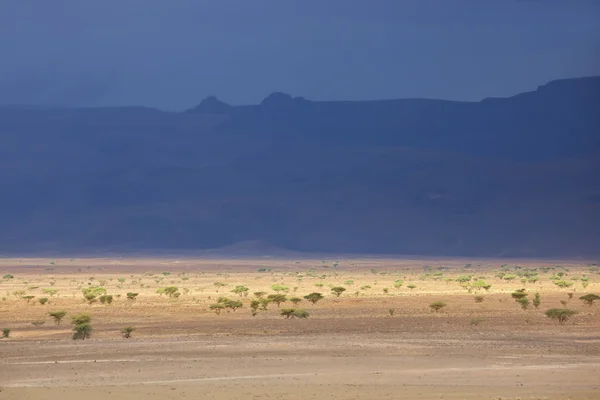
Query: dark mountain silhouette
x=511 y=176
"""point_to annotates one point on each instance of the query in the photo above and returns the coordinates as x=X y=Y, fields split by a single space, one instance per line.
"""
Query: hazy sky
x=172 y=53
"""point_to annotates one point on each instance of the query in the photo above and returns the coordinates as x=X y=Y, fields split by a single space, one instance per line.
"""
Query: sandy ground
x=349 y=347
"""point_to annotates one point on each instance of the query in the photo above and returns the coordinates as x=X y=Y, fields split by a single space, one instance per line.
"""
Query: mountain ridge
x=511 y=176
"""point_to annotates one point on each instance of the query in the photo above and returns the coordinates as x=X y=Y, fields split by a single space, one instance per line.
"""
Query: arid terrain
x=381 y=338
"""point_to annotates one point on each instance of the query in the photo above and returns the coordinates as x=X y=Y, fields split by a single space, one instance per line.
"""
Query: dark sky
x=172 y=53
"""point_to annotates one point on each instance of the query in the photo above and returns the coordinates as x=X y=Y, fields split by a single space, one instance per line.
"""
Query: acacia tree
x=58 y=316
x=537 y=300
x=561 y=314
x=338 y=290
x=277 y=298
x=82 y=327
x=314 y=297
x=589 y=299
x=240 y=290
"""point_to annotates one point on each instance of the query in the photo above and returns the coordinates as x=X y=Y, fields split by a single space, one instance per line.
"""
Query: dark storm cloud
x=170 y=54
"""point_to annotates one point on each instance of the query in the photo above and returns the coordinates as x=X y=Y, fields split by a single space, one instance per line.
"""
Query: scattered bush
x=5 y=333
x=240 y=290
x=254 y=305
x=536 y=300
x=523 y=302
x=38 y=322
x=314 y=297
x=589 y=299
x=519 y=294
x=294 y=313
x=127 y=331
x=50 y=292
x=280 y=288
x=172 y=291
x=106 y=299
x=260 y=294
x=131 y=295
x=295 y=300
x=563 y=284
x=217 y=308
x=277 y=298
x=338 y=290
x=82 y=328
x=437 y=306
x=8 y=276
x=561 y=314
x=391 y=312
x=43 y=300
x=58 y=316
x=478 y=299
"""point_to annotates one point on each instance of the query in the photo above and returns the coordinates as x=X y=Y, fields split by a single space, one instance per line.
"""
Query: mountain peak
x=211 y=105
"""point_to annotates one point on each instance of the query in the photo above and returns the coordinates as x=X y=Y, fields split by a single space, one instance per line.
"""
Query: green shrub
x=8 y=276
x=536 y=300
x=240 y=290
x=563 y=284
x=523 y=302
x=5 y=333
x=519 y=294
x=589 y=299
x=561 y=314
x=295 y=300
x=260 y=294
x=50 y=292
x=82 y=328
x=277 y=298
x=172 y=291
x=338 y=290
x=106 y=299
x=411 y=286
x=127 y=331
x=437 y=306
x=217 y=308
x=58 y=316
x=131 y=295
x=478 y=299
x=294 y=313
x=254 y=305
x=314 y=297
x=38 y=322
x=43 y=300
x=280 y=288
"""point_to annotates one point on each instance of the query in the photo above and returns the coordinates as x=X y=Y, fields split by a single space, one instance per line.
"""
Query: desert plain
x=430 y=328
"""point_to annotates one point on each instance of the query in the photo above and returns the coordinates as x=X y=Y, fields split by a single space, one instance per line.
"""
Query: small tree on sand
x=589 y=299
x=314 y=297
x=338 y=290
x=58 y=316
x=537 y=300
x=295 y=300
x=5 y=333
x=561 y=314
x=277 y=298
x=82 y=327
